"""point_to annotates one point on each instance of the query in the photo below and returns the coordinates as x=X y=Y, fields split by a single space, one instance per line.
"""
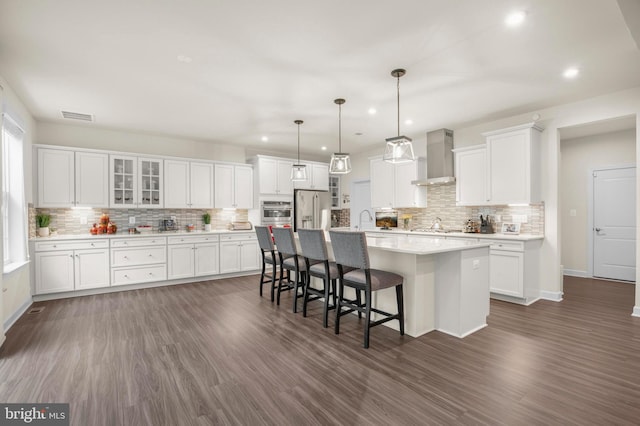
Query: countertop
x=88 y=236
x=420 y=246
x=496 y=236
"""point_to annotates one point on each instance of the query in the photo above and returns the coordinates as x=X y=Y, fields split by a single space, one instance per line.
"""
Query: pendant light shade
x=399 y=149
x=340 y=162
x=298 y=171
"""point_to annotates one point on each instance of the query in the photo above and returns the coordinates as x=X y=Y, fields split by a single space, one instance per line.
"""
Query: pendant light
x=399 y=148
x=340 y=161
x=299 y=171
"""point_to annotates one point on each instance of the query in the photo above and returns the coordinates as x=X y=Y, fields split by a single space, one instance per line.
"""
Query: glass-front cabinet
x=334 y=191
x=135 y=182
x=150 y=173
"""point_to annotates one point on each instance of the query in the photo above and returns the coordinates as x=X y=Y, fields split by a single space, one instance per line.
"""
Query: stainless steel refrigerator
x=312 y=209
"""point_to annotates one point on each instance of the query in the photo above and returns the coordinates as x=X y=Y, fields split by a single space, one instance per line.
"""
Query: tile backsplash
x=68 y=221
x=441 y=202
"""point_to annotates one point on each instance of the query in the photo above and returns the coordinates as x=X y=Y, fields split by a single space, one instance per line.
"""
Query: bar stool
x=269 y=256
x=350 y=249
x=316 y=257
x=290 y=260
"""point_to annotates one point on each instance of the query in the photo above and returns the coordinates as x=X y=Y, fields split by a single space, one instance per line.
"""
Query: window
x=14 y=209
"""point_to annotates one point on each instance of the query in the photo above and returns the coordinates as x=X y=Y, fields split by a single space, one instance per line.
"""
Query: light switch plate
x=132 y=220
x=519 y=218
x=83 y=220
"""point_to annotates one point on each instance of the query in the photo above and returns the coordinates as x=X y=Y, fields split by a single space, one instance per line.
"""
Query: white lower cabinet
x=71 y=265
x=513 y=269
x=193 y=256
x=239 y=253
x=138 y=260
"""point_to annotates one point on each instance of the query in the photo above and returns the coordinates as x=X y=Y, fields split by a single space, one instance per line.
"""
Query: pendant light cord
x=398 y=105
x=339 y=127
x=298 y=143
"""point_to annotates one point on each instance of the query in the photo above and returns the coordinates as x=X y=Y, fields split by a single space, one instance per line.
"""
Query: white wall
x=92 y=137
x=16 y=289
x=579 y=157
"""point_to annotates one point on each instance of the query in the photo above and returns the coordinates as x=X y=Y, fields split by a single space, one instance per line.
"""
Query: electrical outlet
x=83 y=220
x=519 y=218
x=132 y=220
x=573 y=213
x=497 y=218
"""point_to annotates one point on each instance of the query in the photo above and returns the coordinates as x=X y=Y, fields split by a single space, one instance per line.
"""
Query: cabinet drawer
x=239 y=237
x=124 y=276
x=193 y=239
x=506 y=245
x=71 y=245
x=138 y=242
x=138 y=256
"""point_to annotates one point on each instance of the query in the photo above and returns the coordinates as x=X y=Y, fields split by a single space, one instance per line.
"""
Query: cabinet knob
x=125 y=258
x=150 y=255
x=126 y=276
x=150 y=273
x=71 y=256
x=54 y=246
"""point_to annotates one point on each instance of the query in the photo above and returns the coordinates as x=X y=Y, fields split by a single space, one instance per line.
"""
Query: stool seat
x=379 y=279
x=269 y=257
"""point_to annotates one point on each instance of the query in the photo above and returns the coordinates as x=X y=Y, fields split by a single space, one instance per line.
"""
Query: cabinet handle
x=125 y=258
x=93 y=245
x=71 y=256
x=150 y=255
x=151 y=273
x=54 y=246
x=126 y=276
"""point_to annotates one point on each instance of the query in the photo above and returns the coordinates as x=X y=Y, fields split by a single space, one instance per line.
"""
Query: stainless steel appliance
x=168 y=225
x=276 y=213
x=312 y=209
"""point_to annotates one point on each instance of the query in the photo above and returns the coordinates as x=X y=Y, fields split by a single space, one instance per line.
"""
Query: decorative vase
x=207 y=227
x=43 y=232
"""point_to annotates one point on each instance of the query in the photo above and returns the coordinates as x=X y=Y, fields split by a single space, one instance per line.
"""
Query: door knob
x=597 y=229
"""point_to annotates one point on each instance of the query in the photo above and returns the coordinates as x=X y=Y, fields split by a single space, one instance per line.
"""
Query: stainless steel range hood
x=439 y=158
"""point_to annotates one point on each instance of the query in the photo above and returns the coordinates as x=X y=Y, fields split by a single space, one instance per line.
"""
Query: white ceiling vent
x=77 y=116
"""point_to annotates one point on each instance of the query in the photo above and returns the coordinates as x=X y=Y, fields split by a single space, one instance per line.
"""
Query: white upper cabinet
x=513 y=164
x=391 y=184
x=273 y=176
x=317 y=177
x=188 y=184
x=136 y=182
x=233 y=186
x=471 y=176
x=68 y=179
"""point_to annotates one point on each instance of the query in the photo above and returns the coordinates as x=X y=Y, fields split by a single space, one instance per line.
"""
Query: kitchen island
x=446 y=282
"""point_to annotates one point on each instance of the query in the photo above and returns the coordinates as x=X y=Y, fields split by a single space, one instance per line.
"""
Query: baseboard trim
x=554 y=296
x=636 y=311
x=17 y=314
x=576 y=273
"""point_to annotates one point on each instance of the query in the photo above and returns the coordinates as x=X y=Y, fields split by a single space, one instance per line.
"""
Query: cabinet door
x=91 y=269
x=206 y=259
x=201 y=185
x=506 y=272
x=268 y=174
x=229 y=257
x=320 y=177
x=150 y=176
x=124 y=181
x=224 y=193
x=176 y=188
x=55 y=178
x=334 y=192
x=304 y=184
x=180 y=260
x=509 y=168
x=243 y=185
x=54 y=272
x=471 y=177
x=285 y=185
x=92 y=179
x=406 y=193
x=382 y=183
x=249 y=254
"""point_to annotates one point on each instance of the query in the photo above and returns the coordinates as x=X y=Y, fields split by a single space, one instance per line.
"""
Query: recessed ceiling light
x=408 y=122
x=264 y=139
x=324 y=148
x=571 y=72
x=372 y=111
x=515 y=19
x=185 y=59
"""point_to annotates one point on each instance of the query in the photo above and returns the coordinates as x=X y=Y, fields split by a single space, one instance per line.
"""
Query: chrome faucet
x=360 y=218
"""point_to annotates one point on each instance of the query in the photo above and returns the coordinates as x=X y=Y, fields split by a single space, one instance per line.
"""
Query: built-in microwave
x=276 y=213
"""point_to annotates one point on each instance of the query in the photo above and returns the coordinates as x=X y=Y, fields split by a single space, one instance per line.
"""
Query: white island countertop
x=495 y=236
x=420 y=246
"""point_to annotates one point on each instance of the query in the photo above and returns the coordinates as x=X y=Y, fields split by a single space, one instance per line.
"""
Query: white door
x=150 y=178
x=206 y=259
x=91 y=268
x=54 y=272
x=249 y=255
x=229 y=257
x=55 y=178
x=360 y=201
x=285 y=185
x=201 y=185
x=382 y=175
x=614 y=224
x=471 y=177
x=268 y=176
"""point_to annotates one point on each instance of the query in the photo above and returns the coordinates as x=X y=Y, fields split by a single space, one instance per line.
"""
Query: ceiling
x=233 y=72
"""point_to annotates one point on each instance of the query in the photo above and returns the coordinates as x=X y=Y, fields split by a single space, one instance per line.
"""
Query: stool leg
x=273 y=280
x=280 y=282
x=338 y=305
x=400 y=300
x=305 y=300
x=359 y=302
x=295 y=292
x=325 y=312
x=262 y=274
x=367 y=322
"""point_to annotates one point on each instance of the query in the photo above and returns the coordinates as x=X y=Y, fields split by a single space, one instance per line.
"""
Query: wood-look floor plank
x=216 y=353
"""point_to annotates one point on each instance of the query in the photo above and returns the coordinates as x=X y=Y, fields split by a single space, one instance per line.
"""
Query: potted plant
x=206 y=218
x=42 y=220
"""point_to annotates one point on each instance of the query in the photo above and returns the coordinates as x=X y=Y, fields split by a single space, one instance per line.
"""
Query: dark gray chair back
x=284 y=241
x=350 y=248
x=313 y=244
x=264 y=238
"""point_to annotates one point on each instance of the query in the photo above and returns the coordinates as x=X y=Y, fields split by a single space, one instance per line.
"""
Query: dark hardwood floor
x=217 y=353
